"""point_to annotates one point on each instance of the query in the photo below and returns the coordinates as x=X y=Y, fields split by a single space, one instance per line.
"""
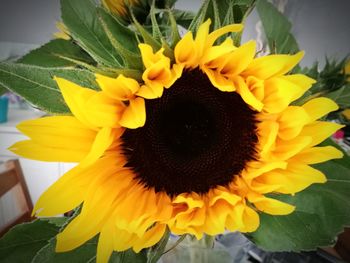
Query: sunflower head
x=197 y=145
x=119 y=7
x=63 y=32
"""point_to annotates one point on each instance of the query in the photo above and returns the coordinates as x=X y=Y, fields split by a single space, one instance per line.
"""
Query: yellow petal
x=216 y=52
x=103 y=140
x=295 y=178
x=291 y=122
x=234 y=220
x=120 y=88
x=122 y=239
x=319 y=107
x=281 y=91
x=250 y=220
x=268 y=131
x=148 y=56
x=151 y=91
x=75 y=96
x=258 y=187
x=318 y=155
x=93 y=108
x=201 y=37
x=70 y=190
x=134 y=115
x=215 y=219
x=58 y=131
x=239 y=59
x=256 y=86
x=270 y=206
x=98 y=204
x=272 y=65
x=150 y=238
x=64 y=195
x=219 y=81
x=185 y=51
x=242 y=218
x=105 y=243
x=223 y=194
x=213 y=36
x=55 y=137
x=191 y=200
x=320 y=130
x=262 y=168
x=247 y=95
x=287 y=149
x=35 y=151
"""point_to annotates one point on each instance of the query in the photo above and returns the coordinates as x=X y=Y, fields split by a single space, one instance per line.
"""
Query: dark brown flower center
x=195 y=138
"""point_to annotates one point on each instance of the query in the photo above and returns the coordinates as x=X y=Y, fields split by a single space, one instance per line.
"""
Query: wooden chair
x=11 y=177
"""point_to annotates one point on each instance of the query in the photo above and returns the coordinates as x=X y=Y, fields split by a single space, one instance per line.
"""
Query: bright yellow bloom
x=118 y=7
x=63 y=32
x=196 y=147
x=347 y=70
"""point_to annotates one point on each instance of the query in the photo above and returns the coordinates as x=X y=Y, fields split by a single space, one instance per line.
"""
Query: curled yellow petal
x=185 y=51
x=92 y=108
x=120 y=88
x=219 y=81
x=134 y=115
x=213 y=36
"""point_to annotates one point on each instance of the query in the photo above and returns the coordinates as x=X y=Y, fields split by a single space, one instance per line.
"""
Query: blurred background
x=321 y=27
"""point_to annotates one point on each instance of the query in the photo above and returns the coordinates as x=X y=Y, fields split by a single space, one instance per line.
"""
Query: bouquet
x=190 y=134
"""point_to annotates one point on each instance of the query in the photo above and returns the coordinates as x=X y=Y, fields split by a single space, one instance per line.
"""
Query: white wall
x=320 y=26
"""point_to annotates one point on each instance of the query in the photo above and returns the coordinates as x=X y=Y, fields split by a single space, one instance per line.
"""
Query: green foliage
x=35 y=242
x=85 y=27
x=277 y=29
x=222 y=13
x=322 y=210
x=331 y=82
x=57 y=53
x=3 y=90
x=183 y=18
x=155 y=252
x=22 y=242
x=122 y=39
x=36 y=84
x=82 y=254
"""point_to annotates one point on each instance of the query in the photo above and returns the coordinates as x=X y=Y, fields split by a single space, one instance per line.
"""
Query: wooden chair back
x=11 y=176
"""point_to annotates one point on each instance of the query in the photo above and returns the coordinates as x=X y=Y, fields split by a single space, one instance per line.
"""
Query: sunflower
x=119 y=7
x=197 y=146
x=63 y=32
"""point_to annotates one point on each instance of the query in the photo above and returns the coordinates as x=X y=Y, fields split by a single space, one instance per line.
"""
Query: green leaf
x=122 y=38
x=36 y=84
x=322 y=210
x=277 y=29
x=155 y=252
x=85 y=253
x=56 y=53
x=183 y=18
x=129 y=256
x=3 y=90
x=23 y=241
x=341 y=96
x=81 y=19
x=82 y=254
x=222 y=13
